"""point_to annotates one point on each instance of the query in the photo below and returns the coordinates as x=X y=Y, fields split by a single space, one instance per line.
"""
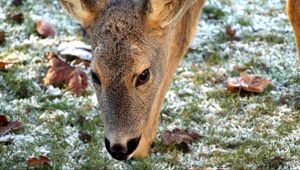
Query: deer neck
x=181 y=36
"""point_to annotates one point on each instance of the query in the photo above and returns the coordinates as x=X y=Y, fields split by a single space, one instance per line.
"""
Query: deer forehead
x=120 y=56
x=117 y=36
x=120 y=19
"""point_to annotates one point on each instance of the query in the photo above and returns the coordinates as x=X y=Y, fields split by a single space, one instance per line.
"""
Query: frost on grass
x=238 y=131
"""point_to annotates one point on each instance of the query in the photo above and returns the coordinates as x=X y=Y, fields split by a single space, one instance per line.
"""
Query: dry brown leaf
x=42 y=160
x=86 y=63
x=2 y=65
x=179 y=136
x=6 y=64
x=18 y=18
x=44 y=29
x=2 y=37
x=85 y=137
x=277 y=162
x=249 y=83
x=62 y=73
x=3 y=121
x=17 y=2
x=7 y=126
x=78 y=82
x=230 y=32
x=76 y=51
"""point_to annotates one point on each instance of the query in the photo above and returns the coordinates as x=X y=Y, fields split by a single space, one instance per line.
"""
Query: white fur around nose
x=121 y=140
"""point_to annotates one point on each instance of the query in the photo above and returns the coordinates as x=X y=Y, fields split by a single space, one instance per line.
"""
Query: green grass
x=269 y=38
x=288 y=125
x=18 y=88
x=213 y=12
x=244 y=21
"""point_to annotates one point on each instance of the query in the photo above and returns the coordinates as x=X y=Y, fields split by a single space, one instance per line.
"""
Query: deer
x=137 y=46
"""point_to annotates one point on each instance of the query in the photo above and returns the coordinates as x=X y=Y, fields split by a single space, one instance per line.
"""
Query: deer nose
x=121 y=152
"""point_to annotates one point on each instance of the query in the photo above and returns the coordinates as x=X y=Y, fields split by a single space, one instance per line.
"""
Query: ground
x=238 y=131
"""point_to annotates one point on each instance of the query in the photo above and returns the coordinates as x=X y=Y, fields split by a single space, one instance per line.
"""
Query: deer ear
x=84 y=11
x=165 y=12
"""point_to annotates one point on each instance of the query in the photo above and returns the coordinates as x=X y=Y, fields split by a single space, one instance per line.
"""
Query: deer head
x=130 y=46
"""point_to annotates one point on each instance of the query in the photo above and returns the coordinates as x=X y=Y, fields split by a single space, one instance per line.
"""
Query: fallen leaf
x=42 y=160
x=7 y=64
x=17 y=2
x=277 y=162
x=7 y=126
x=231 y=33
x=78 y=82
x=18 y=18
x=45 y=29
x=179 y=136
x=86 y=63
x=3 y=121
x=73 y=47
x=85 y=137
x=246 y=82
x=77 y=51
x=2 y=37
x=61 y=73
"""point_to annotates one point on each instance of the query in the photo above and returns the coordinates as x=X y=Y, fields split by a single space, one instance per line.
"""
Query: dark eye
x=143 y=78
x=95 y=78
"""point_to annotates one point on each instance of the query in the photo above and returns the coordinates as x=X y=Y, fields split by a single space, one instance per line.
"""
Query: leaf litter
x=179 y=136
x=247 y=82
x=45 y=29
x=34 y=162
x=7 y=127
x=60 y=73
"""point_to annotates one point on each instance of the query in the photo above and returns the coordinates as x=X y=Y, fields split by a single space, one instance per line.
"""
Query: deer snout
x=120 y=151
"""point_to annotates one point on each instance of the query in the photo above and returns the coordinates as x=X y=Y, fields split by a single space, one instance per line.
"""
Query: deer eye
x=143 y=78
x=95 y=78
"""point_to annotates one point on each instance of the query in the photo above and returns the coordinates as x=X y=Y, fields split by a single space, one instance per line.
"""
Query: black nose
x=121 y=152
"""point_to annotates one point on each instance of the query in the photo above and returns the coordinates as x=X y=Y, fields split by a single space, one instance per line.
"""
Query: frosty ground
x=238 y=131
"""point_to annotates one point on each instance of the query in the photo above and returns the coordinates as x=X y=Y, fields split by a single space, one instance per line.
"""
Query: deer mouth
x=120 y=156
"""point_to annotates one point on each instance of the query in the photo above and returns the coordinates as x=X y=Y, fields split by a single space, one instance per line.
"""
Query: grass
x=17 y=88
x=244 y=21
x=213 y=13
x=238 y=130
x=269 y=38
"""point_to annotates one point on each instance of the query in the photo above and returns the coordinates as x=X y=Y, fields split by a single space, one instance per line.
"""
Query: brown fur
x=293 y=11
x=129 y=37
x=84 y=11
x=181 y=36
